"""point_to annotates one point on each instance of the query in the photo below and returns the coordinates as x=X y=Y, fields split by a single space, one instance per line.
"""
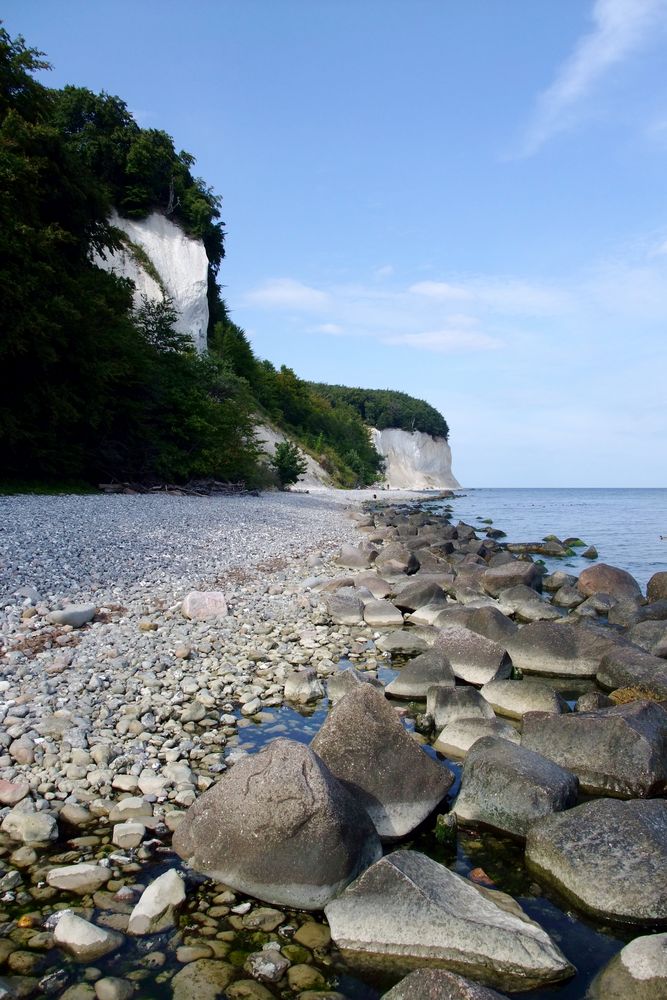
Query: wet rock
x=604 y=579
x=84 y=941
x=473 y=657
x=128 y=835
x=263 y=918
x=498 y=578
x=438 y=984
x=651 y=636
x=205 y=979
x=75 y=615
x=280 y=827
x=82 y=878
x=449 y=704
x=248 y=989
x=313 y=935
x=155 y=911
x=458 y=737
x=638 y=971
x=366 y=747
x=29 y=826
x=112 y=988
x=344 y=681
x=607 y=856
x=507 y=787
x=408 y=911
x=421 y=673
x=382 y=614
x=305 y=977
x=303 y=686
x=269 y=965
x=515 y=698
x=205 y=605
x=620 y=751
x=407 y=641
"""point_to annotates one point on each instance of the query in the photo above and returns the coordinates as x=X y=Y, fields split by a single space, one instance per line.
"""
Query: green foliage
x=387 y=408
x=288 y=462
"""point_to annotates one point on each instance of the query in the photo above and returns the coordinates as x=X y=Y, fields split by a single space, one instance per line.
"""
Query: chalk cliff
x=163 y=260
x=414 y=460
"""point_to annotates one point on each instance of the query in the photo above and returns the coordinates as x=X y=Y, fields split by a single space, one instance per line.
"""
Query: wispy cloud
x=440 y=290
x=385 y=271
x=445 y=341
x=286 y=293
x=620 y=29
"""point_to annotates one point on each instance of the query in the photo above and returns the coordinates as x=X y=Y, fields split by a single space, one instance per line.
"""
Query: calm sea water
x=624 y=525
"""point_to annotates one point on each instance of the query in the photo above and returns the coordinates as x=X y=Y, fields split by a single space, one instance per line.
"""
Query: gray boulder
x=438 y=984
x=608 y=857
x=416 y=594
x=75 y=615
x=499 y=578
x=365 y=746
x=279 y=827
x=458 y=737
x=395 y=558
x=630 y=666
x=656 y=589
x=382 y=614
x=345 y=607
x=639 y=971
x=378 y=587
x=507 y=787
x=344 y=681
x=417 y=676
x=492 y=624
x=357 y=556
x=408 y=911
x=620 y=751
x=516 y=698
x=604 y=579
x=303 y=686
x=403 y=642
x=474 y=658
x=651 y=636
x=527 y=605
x=561 y=648
x=449 y=704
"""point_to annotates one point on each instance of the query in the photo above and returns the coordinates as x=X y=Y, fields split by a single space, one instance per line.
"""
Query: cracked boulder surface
x=279 y=826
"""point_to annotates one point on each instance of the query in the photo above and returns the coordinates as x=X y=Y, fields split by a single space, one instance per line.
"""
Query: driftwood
x=193 y=488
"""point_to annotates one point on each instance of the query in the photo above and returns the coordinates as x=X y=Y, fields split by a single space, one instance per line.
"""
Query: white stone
x=155 y=910
x=81 y=878
x=83 y=940
x=128 y=835
x=29 y=826
x=179 y=260
x=414 y=461
x=204 y=605
x=75 y=615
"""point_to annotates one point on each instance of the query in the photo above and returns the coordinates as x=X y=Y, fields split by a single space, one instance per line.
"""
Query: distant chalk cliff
x=162 y=261
x=415 y=460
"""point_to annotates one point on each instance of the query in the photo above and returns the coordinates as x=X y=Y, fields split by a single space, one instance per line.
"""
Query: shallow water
x=624 y=525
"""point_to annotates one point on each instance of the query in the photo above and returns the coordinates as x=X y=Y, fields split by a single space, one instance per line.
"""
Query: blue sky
x=461 y=199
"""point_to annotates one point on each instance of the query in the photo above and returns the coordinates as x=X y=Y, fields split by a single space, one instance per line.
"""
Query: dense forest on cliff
x=93 y=389
x=386 y=408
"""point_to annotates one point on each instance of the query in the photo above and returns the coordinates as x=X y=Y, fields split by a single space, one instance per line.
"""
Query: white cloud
x=331 y=328
x=385 y=271
x=439 y=290
x=445 y=341
x=620 y=29
x=286 y=293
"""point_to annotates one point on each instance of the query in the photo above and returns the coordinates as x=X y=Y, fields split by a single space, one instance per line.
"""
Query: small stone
x=128 y=835
x=305 y=977
x=264 y=918
x=75 y=615
x=81 y=878
x=203 y=606
x=111 y=988
x=155 y=910
x=313 y=935
x=84 y=941
x=269 y=965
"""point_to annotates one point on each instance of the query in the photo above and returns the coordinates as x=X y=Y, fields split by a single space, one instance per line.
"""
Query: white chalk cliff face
x=414 y=461
x=176 y=259
x=314 y=476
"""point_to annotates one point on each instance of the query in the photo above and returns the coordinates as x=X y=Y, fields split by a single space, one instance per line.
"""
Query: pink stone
x=12 y=792
x=205 y=605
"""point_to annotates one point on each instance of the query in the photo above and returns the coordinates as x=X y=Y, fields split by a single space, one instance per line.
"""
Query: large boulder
x=620 y=751
x=449 y=704
x=345 y=607
x=418 y=675
x=438 y=984
x=382 y=614
x=604 y=579
x=395 y=558
x=474 y=658
x=499 y=578
x=561 y=648
x=365 y=746
x=419 y=593
x=492 y=623
x=357 y=556
x=608 y=857
x=638 y=971
x=527 y=605
x=407 y=911
x=515 y=699
x=630 y=666
x=656 y=589
x=507 y=787
x=279 y=827
x=458 y=737
x=651 y=636
x=405 y=642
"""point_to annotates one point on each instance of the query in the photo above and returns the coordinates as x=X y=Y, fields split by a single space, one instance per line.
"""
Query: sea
x=624 y=525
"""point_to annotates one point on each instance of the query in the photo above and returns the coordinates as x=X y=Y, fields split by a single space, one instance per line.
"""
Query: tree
x=289 y=463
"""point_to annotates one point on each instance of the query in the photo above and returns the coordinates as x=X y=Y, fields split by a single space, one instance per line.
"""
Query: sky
x=464 y=200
